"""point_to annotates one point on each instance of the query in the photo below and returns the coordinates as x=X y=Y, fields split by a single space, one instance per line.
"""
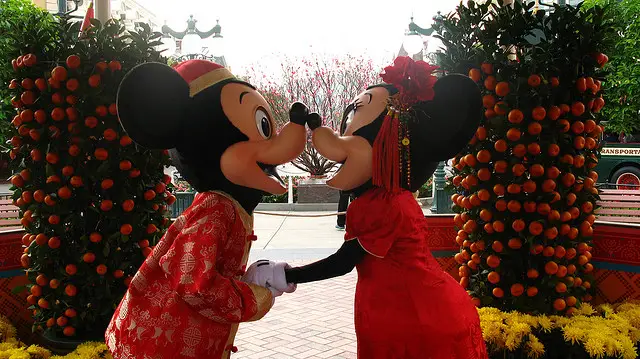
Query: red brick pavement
x=314 y=322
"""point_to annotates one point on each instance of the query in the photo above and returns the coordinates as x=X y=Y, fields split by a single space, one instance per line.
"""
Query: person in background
x=343 y=203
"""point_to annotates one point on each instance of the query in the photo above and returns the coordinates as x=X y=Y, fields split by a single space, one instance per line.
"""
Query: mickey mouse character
x=187 y=298
x=391 y=140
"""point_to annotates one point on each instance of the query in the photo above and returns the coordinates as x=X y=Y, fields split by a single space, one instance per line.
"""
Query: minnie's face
x=252 y=163
x=354 y=147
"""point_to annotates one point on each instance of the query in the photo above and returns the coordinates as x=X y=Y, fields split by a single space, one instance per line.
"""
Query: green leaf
x=18 y=289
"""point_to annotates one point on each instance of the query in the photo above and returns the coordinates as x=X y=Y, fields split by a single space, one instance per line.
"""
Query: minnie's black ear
x=152 y=100
x=449 y=120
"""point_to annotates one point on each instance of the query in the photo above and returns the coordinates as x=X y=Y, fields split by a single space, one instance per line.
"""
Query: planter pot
x=63 y=346
x=315 y=190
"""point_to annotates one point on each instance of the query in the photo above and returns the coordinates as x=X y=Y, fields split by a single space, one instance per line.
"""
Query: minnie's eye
x=263 y=124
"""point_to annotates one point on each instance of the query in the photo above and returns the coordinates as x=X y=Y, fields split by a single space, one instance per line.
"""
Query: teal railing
x=183 y=201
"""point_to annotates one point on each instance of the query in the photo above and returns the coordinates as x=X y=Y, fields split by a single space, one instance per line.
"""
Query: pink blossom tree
x=325 y=84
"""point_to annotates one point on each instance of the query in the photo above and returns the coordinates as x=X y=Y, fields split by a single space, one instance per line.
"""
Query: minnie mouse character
x=391 y=140
x=187 y=298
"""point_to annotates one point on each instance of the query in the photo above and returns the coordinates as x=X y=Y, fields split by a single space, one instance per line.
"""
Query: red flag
x=86 y=23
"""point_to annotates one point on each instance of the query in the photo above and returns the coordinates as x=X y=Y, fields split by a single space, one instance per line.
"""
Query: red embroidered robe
x=187 y=298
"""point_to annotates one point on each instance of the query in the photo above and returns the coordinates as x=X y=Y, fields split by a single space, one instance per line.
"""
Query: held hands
x=299 y=114
x=270 y=275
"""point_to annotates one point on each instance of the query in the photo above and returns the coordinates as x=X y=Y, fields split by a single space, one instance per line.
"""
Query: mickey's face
x=252 y=163
x=353 y=148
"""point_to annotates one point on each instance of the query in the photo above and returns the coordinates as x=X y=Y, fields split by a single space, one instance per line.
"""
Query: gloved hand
x=314 y=121
x=298 y=113
x=269 y=274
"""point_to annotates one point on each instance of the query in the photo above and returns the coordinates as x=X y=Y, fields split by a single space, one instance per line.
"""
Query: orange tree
x=92 y=202
x=524 y=186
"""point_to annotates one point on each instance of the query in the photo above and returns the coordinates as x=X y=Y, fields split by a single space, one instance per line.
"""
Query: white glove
x=269 y=274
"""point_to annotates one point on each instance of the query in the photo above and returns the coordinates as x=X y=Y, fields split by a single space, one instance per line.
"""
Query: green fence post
x=441 y=201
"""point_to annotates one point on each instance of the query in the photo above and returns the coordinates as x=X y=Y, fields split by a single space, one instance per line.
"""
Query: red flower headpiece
x=414 y=80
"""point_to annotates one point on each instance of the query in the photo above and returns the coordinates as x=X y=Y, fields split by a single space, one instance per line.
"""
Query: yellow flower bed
x=608 y=331
x=12 y=348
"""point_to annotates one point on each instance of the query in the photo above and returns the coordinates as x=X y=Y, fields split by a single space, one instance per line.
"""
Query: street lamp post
x=193 y=41
x=414 y=45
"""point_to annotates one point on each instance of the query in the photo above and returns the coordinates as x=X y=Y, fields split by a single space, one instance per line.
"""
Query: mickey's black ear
x=152 y=100
x=452 y=117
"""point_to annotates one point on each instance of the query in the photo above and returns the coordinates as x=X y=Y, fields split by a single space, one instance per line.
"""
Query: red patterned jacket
x=187 y=298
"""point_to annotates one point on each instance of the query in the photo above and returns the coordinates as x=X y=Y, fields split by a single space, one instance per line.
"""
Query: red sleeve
x=190 y=264
x=375 y=223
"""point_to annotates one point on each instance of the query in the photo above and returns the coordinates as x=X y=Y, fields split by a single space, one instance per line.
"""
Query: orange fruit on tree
x=115 y=65
x=577 y=127
x=59 y=73
x=501 y=205
x=483 y=156
x=513 y=134
x=69 y=331
x=125 y=141
x=537 y=249
x=475 y=75
x=500 y=145
x=497 y=246
x=126 y=229
x=498 y=226
x=518 y=169
x=553 y=149
x=490 y=83
x=50 y=322
x=561 y=287
x=94 y=80
x=89 y=257
x=125 y=165
x=70 y=313
x=498 y=189
x=36 y=291
x=71 y=269
x=581 y=84
x=551 y=268
x=534 y=128
x=490 y=113
x=534 y=80
x=554 y=113
x=515 y=116
x=532 y=291
x=485 y=215
x=515 y=243
x=101 y=269
x=73 y=61
x=43 y=303
x=484 y=195
x=487 y=68
x=498 y=292
x=481 y=133
x=484 y=174
x=71 y=290
x=543 y=208
x=551 y=233
x=502 y=89
x=517 y=289
x=529 y=186
x=559 y=304
x=54 y=242
x=62 y=321
x=577 y=108
x=514 y=206
x=539 y=113
x=118 y=273
x=500 y=166
x=128 y=205
x=532 y=273
x=493 y=261
x=488 y=101
x=514 y=188
x=64 y=193
x=548 y=251
x=518 y=225
x=501 y=108
x=95 y=237
x=530 y=206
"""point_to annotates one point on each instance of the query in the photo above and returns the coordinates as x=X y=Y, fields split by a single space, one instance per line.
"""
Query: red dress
x=186 y=300
x=406 y=306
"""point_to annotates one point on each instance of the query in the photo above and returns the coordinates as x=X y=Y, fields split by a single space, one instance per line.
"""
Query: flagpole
x=103 y=10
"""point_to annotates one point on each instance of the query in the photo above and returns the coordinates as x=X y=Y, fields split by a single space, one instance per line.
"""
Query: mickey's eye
x=262 y=123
